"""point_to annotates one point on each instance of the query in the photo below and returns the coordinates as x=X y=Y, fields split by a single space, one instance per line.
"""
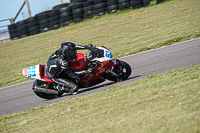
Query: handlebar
x=94 y=52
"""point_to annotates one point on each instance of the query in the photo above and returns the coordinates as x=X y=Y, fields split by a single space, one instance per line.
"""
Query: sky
x=9 y=8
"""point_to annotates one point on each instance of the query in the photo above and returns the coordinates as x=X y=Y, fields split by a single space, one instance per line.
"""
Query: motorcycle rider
x=58 y=64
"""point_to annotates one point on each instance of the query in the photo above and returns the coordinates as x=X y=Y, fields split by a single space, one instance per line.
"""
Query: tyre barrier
x=88 y=8
x=100 y=7
x=22 y=29
x=12 y=29
x=57 y=7
x=33 y=25
x=112 y=6
x=160 y=1
x=54 y=19
x=63 y=15
x=77 y=12
x=43 y=20
x=123 y=4
x=136 y=4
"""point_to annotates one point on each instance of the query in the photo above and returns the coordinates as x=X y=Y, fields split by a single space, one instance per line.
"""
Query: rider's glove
x=89 y=46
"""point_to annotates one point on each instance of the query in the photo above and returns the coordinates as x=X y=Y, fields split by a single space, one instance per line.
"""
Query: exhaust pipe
x=47 y=91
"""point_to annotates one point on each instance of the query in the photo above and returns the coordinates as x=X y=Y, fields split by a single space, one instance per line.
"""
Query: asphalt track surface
x=20 y=97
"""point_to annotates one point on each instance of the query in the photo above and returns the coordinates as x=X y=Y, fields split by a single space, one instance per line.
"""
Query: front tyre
x=123 y=69
x=43 y=95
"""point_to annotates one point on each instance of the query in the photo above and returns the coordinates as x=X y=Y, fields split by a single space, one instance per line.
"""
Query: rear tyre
x=43 y=95
x=123 y=69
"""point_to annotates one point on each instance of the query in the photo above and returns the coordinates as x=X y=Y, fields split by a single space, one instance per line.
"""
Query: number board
x=32 y=72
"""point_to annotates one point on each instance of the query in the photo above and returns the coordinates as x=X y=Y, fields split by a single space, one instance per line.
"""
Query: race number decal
x=31 y=72
x=109 y=54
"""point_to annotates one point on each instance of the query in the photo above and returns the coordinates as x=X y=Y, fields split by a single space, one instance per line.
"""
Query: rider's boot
x=66 y=86
x=74 y=91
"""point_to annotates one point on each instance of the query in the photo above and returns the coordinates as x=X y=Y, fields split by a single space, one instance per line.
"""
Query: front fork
x=115 y=62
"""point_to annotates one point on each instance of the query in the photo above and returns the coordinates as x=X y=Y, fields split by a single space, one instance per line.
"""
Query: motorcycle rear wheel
x=43 y=95
x=123 y=69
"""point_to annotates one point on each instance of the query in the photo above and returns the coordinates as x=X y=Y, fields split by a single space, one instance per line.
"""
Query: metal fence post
x=11 y=21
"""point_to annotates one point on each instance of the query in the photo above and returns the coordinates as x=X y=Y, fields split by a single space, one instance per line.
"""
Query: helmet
x=69 y=50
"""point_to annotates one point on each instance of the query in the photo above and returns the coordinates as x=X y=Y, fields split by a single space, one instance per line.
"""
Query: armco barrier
x=63 y=15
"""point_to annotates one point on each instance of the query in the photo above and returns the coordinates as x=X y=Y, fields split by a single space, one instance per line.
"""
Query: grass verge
x=161 y=103
x=123 y=33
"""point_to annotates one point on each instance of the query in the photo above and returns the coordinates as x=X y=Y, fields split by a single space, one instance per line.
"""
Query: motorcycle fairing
x=80 y=63
x=107 y=55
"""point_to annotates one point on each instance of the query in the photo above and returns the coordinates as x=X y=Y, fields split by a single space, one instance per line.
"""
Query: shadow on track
x=104 y=85
x=92 y=88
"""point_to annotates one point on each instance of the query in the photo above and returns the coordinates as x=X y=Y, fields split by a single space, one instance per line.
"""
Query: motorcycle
x=104 y=66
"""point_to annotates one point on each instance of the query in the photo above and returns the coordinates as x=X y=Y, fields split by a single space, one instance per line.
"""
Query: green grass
x=166 y=103
x=124 y=33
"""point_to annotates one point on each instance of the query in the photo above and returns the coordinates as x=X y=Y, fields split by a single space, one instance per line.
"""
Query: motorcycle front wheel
x=123 y=69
